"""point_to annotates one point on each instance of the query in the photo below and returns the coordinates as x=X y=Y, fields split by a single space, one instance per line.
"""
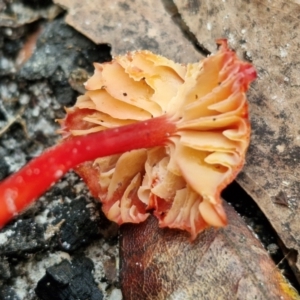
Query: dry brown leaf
x=267 y=33
x=19 y=14
x=227 y=263
x=129 y=26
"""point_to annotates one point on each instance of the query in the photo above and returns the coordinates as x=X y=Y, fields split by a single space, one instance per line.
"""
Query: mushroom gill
x=181 y=181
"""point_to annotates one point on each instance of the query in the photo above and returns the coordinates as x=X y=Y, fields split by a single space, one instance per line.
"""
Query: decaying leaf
x=227 y=263
x=266 y=32
x=129 y=26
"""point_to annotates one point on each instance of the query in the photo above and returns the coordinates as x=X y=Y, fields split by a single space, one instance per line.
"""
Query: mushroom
x=150 y=136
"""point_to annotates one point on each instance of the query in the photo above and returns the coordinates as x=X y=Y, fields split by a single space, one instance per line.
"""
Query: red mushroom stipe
x=150 y=135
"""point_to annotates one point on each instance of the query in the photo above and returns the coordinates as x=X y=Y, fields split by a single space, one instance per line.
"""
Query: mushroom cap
x=179 y=182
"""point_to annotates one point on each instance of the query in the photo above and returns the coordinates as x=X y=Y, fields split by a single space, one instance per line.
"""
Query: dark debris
x=66 y=221
x=61 y=220
x=25 y=236
x=69 y=281
x=79 y=227
x=56 y=41
x=4 y=168
x=7 y=293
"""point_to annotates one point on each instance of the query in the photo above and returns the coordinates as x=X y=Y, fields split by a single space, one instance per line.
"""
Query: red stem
x=23 y=187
